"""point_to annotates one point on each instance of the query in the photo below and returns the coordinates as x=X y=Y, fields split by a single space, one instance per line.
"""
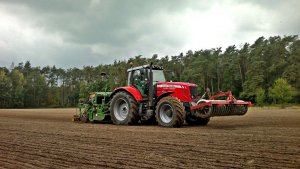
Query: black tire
x=191 y=120
x=170 y=112
x=124 y=109
x=203 y=121
x=204 y=112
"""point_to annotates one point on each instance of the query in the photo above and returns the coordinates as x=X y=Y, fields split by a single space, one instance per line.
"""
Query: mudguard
x=161 y=96
x=131 y=90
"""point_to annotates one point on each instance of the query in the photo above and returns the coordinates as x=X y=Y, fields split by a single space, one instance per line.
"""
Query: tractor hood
x=174 y=84
x=186 y=92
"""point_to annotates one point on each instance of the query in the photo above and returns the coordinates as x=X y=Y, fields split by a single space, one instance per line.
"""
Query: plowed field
x=47 y=138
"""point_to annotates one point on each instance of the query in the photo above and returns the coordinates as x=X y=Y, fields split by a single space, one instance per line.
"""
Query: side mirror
x=142 y=71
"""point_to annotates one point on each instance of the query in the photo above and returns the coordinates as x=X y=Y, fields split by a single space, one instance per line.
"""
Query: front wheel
x=123 y=109
x=170 y=112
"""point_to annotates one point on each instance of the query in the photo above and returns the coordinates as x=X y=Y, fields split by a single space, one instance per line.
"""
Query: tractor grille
x=194 y=92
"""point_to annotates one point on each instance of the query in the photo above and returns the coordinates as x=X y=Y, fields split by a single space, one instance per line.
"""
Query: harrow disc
x=240 y=109
x=229 y=110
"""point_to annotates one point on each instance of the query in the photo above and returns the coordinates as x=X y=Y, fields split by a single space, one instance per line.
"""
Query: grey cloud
x=106 y=21
x=283 y=16
x=95 y=32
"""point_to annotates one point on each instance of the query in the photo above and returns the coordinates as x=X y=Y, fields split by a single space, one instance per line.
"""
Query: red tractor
x=148 y=97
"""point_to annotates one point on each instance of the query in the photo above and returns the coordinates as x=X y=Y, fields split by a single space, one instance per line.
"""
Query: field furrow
x=47 y=138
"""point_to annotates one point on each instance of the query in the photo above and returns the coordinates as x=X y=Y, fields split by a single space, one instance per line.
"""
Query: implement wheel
x=124 y=109
x=76 y=118
x=204 y=112
x=84 y=118
x=170 y=112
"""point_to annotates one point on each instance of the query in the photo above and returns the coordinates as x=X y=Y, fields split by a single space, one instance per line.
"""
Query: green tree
x=241 y=69
x=5 y=87
x=282 y=92
x=255 y=74
x=260 y=97
x=83 y=90
x=18 y=82
x=291 y=72
x=35 y=89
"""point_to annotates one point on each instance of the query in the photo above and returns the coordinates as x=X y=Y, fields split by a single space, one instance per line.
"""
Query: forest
x=250 y=71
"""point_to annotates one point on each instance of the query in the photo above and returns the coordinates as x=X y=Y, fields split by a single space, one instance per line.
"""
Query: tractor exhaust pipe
x=151 y=89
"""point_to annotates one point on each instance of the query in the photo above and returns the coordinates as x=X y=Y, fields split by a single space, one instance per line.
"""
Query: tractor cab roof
x=154 y=67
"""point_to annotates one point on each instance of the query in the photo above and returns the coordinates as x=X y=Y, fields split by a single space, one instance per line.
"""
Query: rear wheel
x=170 y=112
x=123 y=109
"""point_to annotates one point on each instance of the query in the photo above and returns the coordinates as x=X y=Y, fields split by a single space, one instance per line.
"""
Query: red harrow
x=228 y=107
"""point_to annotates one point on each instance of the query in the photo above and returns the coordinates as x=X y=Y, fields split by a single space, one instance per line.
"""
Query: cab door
x=140 y=81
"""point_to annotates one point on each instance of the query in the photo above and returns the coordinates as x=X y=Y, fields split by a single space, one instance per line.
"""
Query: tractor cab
x=141 y=78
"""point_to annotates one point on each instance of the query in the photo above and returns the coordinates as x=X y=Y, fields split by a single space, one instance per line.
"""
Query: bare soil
x=47 y=138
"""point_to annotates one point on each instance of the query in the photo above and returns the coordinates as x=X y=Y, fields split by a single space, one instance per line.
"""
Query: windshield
x=158 y=76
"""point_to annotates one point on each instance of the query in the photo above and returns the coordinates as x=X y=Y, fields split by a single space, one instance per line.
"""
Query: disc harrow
x=228 y=107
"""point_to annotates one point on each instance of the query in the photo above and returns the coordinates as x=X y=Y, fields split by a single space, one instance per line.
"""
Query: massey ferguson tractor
x=148 y=97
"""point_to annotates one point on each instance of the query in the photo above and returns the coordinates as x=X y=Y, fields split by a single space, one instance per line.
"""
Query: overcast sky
x=74 y=33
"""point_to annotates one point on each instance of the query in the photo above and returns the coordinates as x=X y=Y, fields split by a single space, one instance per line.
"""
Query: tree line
x=250 y=71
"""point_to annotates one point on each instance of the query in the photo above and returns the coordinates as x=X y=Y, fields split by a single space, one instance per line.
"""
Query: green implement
x=96 y=108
